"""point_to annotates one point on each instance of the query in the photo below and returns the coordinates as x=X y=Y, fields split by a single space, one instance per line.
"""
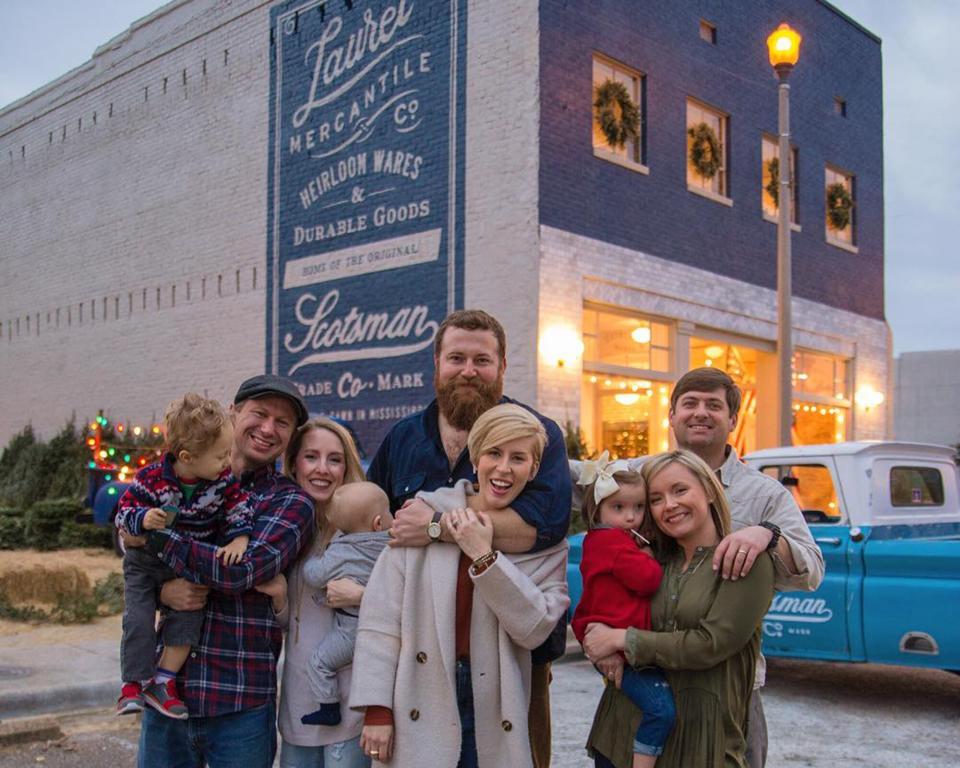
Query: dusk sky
x=43 y=39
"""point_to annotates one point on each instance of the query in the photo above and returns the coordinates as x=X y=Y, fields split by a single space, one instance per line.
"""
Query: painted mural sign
x=365 y=201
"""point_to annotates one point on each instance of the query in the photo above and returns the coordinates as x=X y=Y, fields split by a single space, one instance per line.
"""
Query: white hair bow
x=601 y=472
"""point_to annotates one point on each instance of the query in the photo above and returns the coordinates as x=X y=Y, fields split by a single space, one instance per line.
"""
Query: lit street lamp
x=784 y=49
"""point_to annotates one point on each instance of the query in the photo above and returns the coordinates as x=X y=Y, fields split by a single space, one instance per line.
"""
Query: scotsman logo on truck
x=812 y=610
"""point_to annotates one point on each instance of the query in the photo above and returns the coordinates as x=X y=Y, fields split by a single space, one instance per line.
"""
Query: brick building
x=308 y=186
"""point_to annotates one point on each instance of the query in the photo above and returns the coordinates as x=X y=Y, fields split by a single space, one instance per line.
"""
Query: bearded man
x=427 y=451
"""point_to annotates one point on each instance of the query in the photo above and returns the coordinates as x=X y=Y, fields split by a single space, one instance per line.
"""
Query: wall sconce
x=561 y=345
x=867 y=397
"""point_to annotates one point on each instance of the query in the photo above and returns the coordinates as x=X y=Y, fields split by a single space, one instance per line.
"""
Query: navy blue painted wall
x=656 y=213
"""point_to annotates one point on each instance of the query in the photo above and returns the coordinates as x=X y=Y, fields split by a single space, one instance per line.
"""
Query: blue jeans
x=245 y=739
x=344 y=754
x=649 y=690
x=468 y=734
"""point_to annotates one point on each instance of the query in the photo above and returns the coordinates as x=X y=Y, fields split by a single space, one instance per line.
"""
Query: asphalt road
x=818 y=715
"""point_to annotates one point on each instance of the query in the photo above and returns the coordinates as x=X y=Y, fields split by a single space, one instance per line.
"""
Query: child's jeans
x=649 y=690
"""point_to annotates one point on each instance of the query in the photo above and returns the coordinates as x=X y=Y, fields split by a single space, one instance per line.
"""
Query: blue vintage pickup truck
x=886 y=516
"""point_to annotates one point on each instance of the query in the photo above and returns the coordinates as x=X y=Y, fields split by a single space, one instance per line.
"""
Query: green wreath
x=773 y=186
x=704 y=150
x=839 y=206
x=618 y=116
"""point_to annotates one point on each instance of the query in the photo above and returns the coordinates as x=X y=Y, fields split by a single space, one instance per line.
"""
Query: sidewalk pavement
x=53 y=668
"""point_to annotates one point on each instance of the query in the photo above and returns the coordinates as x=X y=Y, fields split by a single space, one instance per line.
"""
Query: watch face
x=433 y=531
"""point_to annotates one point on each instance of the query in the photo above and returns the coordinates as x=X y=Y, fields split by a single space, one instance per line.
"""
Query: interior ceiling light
x=626 y=398
x=641 y=335
x=714 y=351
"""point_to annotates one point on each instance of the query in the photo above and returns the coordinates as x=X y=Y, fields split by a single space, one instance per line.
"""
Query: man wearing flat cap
x=229 y=681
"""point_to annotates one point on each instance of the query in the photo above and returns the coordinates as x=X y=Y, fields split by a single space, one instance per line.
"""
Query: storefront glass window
x=628 y=341
x=626 y=416
x=821 y=398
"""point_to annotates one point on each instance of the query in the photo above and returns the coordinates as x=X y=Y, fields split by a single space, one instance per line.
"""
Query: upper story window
x=708 y=32
x=770 y=180
x=618 y=113
x=839 y=207
x=707 y=151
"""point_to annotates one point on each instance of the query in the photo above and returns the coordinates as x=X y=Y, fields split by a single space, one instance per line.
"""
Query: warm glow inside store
x=630 y=363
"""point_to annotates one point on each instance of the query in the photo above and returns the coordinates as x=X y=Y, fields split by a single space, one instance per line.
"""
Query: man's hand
x=154 y=520
x=737 y=552
x=377 y=742
x=410 y=524
x=611 y=667
x=183 y=595
x=601 y=641
x=343 y=593
x=130 y=541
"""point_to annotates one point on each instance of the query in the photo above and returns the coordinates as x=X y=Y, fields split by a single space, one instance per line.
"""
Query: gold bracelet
x=483 y=562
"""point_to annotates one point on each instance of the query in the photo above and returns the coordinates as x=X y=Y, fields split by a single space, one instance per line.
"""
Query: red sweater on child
x=618 y=582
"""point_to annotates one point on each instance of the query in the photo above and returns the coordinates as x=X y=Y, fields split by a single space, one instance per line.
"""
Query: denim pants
x=468 y=734
x=343 y=754
x=649 y=690
x=245 y=739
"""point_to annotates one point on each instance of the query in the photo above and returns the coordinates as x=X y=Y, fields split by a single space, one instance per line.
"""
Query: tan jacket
x=404 y=657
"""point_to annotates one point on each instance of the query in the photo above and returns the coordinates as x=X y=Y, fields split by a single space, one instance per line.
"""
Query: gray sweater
x=347 y=556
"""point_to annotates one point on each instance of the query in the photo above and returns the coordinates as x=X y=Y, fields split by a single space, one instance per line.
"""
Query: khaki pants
x=539 y=715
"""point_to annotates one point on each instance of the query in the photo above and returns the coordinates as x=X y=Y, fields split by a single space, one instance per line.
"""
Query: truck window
x=812 y=487
x=916 y=487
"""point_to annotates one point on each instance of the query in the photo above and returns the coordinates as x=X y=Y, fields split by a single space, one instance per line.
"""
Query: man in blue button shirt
x=427 y=451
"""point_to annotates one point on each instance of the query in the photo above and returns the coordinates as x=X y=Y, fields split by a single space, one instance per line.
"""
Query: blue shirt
x=411 y=459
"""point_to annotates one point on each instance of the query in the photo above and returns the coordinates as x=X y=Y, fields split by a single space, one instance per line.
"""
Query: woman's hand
x=611 y=667
x=276 y=587
x=471 y=530
x=344 y=593
x=377 y=742
x=601 y=641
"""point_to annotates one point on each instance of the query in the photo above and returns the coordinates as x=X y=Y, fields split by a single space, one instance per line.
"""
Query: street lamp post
x=783 y=46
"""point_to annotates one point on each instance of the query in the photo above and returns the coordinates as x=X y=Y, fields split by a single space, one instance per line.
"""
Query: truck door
x=911 y=592
x=815 y=625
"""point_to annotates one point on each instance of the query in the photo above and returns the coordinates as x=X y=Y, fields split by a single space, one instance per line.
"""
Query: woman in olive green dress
x=706 y=631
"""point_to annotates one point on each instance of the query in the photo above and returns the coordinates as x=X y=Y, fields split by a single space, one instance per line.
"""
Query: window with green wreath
x=707 y=150
x=839 y=207
x=618 y=104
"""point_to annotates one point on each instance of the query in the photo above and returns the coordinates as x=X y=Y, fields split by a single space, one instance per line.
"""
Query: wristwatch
x=775 y=530
x=433 y=528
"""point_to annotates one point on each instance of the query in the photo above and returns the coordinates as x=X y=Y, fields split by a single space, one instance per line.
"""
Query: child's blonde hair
x=500 y=425
x=193 y=423
x=590 y=509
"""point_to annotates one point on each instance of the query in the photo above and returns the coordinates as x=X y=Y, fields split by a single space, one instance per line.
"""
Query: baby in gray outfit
x=361 y=514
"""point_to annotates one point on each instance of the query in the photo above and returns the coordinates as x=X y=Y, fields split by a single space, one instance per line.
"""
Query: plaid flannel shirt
x=234 y=667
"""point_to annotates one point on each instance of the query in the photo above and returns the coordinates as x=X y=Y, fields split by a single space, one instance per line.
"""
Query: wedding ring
x=741 y=551
x=374 y=753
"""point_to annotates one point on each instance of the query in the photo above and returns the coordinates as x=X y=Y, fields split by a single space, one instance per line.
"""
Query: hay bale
x=40 y=584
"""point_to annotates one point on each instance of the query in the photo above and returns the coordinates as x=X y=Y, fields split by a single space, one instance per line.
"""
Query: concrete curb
x=60 y=698
x=29 y=729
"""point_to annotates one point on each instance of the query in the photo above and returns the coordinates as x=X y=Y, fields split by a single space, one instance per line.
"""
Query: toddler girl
x=619 y=578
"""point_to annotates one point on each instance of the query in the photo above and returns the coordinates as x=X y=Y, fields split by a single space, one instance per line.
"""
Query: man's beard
x=461 y=401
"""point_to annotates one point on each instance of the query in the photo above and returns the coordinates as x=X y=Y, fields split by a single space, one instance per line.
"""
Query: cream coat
x=405 y=653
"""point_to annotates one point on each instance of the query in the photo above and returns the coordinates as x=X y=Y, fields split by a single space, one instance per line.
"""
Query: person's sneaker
x=163 y=698
x=131 y=699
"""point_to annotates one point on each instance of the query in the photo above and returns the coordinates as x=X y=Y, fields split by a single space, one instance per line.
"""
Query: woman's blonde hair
x=353 y=470
x=719 y=509
x=590 y=508
x=193 y=423
x=500 y=425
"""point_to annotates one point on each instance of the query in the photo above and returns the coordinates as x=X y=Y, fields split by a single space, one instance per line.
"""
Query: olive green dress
x=706 y=636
